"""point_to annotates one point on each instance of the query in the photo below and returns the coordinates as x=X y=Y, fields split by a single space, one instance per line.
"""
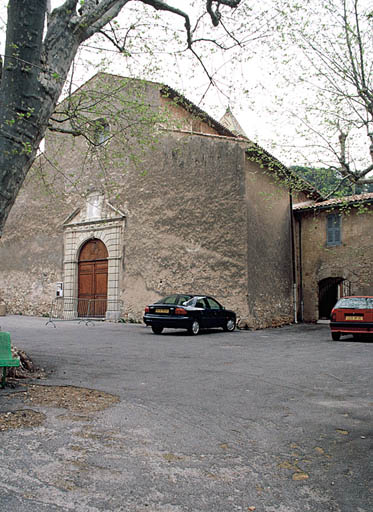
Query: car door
x=202 y=314
x=214 y=311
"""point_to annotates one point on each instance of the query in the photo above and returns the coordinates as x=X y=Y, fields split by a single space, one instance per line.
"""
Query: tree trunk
x=32 y=79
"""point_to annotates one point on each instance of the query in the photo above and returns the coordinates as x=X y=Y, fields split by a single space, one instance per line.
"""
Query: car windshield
x=355 y=303
x=174 y=299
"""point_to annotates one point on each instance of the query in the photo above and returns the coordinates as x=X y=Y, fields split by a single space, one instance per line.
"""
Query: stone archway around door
x=93 y=279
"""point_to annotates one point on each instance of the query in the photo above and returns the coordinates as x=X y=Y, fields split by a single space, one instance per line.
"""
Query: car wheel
x=156 y=329
x=194 y=328
x=229 y=325
x=336 y=336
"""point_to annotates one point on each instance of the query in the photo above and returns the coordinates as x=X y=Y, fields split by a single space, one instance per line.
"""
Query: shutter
x=333 y=229
x=330 y=230
x=337 y=230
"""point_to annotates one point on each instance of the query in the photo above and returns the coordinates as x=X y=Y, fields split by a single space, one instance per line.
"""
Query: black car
x=191 y=312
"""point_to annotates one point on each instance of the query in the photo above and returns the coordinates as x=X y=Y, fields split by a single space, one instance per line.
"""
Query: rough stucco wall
x=184 y=120
x=269 y=249
x=31 y=252
x=185 y=230
x=186 y=225
x=351 y=260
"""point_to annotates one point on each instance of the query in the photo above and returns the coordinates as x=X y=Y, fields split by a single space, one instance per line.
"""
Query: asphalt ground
x=277 y=420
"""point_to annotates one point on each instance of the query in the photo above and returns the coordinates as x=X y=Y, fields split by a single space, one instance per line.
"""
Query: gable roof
x=190 y=107
x=336 y=202
x=253 y=150
x=233 y=131
x=229 y=121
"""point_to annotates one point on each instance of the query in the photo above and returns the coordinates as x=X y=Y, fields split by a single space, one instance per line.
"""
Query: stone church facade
x=144 y=194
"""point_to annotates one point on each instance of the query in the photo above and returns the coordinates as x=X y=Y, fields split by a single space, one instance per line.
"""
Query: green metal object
x=6 y=358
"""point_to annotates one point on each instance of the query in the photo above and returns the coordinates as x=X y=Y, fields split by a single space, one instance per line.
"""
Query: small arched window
x=101 y=131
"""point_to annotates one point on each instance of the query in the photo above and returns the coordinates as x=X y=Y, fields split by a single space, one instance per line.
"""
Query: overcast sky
x=183 y=71
x=247 y=80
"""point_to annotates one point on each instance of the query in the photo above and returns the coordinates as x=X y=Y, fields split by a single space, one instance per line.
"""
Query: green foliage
x=327 y=181
x=323 y=50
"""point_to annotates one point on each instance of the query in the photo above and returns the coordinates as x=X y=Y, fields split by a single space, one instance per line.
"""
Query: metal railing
x=82 y=309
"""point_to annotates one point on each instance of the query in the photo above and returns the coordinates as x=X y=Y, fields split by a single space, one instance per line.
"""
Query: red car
x=352 y=315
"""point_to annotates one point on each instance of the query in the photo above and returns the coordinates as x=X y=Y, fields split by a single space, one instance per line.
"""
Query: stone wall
x=352 y=260
x=269 y=286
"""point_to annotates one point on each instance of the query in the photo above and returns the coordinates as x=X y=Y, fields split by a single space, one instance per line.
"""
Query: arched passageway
x=330 y=290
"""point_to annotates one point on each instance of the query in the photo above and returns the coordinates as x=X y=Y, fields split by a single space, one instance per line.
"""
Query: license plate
x=354 y=317
x=161 y=310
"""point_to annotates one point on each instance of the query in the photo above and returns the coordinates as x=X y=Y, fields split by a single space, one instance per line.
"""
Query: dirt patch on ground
x=70 y=397
x=74 y=399
x=21 y=419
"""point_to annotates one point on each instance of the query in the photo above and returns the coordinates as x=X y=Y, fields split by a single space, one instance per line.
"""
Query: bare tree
x=327 y=59
x=40 y=48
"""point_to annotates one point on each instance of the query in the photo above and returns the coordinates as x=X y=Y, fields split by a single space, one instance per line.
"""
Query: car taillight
x=147 y=309
x=333 y=317
x=180 y=311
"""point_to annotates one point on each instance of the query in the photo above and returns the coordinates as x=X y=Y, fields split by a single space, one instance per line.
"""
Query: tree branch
x=215 y=15
x=74 y=133
x=331 y=194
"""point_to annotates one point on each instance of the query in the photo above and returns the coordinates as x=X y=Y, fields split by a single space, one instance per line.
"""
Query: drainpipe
x=293 y=257
x=300 y=270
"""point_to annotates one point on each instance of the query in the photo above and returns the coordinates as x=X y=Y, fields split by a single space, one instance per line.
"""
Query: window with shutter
x=333 y=229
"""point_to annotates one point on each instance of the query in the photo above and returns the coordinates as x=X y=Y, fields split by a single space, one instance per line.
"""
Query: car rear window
x=174 y=299
x=355 y=303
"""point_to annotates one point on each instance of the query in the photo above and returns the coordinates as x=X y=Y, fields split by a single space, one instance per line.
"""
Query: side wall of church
x=186 y=225
x=269 y=249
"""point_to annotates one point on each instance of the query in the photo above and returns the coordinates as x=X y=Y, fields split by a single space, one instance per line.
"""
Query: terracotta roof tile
x=336 y=201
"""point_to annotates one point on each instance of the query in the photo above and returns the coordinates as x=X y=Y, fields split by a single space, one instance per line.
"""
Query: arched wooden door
x=92 y=279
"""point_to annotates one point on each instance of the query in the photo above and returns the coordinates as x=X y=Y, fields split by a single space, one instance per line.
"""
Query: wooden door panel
x=101 y=266
x=86 y=282
x=93 y=279
x=100 y=285
x=101 y=276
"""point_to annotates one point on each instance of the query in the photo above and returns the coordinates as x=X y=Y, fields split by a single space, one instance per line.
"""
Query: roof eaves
x=256 y=152
x=335 y=203
x=181 y=100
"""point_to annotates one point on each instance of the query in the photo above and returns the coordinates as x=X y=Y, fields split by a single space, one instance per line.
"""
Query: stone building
x=142 y=194
x=334 y=241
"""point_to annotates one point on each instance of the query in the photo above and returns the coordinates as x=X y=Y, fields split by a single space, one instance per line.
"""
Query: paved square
x=279 y=420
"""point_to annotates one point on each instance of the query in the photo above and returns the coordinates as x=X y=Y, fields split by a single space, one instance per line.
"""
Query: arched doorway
x=330 y=290
x=92 y=279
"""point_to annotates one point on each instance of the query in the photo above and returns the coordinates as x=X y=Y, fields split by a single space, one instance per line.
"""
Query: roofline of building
x=333 y=204
x=180 y=99
x=296 y=183
x=273 y=163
